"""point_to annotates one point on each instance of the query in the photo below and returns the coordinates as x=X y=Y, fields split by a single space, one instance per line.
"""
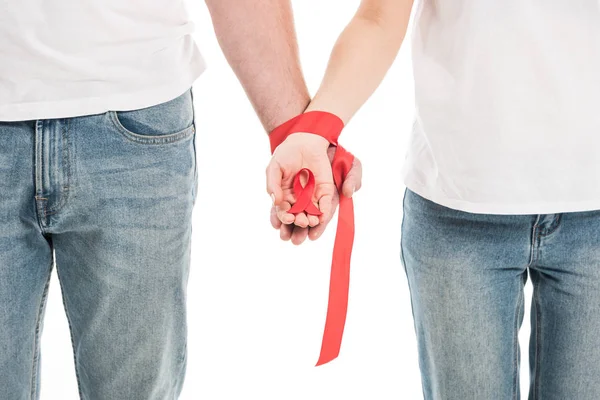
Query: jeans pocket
x=168 y=122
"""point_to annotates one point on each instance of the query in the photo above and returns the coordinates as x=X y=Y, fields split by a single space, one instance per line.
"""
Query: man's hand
x=298 y=151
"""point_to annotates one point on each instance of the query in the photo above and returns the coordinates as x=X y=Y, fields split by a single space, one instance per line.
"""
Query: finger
x=282 y=213
x=299 y=235
x=313 y=220
x=317 y=231
x=285 y=232
x=301 y=220
x=353 y=181
x=331 y=153
x=274 y=176
x=328 y=212
x=275 y=221
x=326 y=207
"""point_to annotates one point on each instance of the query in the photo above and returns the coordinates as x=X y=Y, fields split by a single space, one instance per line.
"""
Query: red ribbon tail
x=339 y=283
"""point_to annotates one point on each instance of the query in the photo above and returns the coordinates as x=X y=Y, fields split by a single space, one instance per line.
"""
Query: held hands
x=298 y=151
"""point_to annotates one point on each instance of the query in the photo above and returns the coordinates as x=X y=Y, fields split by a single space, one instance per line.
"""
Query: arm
x=259 y=42
x=361 y=57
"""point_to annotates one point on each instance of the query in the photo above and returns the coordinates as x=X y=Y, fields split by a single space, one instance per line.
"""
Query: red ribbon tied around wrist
x=330 y=127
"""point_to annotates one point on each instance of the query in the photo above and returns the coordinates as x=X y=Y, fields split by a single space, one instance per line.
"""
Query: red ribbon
x=304 y=195
x=328 y=126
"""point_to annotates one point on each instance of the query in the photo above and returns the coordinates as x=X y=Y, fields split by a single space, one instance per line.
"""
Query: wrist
x=287 y=112
x=318 y=128
x=310 y=140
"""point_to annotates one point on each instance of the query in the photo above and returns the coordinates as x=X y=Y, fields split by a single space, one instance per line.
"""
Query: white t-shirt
x=507 y=105
x=67 y=58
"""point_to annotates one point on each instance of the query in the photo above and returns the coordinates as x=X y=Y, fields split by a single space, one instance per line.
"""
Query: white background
x=256 y=304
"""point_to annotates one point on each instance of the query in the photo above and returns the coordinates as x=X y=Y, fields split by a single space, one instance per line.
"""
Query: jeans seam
x=403 y=260
x=62 y=292
x=553 y=227
x=538 y=335
x=401 y=236
x=534 y=232
x=66 y=164
x=36 y=341
x=182 y=368
x=154 y=139
x=40 y=158
x=516 y=345
x=195 y=152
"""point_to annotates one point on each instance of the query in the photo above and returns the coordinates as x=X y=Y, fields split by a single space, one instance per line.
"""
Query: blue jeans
x=466 y=274
x=111 y=197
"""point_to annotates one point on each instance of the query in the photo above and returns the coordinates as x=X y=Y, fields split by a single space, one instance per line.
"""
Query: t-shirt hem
x=79 y=107
x=555 y=207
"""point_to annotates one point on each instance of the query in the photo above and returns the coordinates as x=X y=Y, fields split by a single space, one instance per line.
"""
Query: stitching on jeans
x=62 y=292
x=42 y=159
x=36 y=341
x=65 y=159
x=194 y=148
x=553 y=227
x=532 y=254
x=412 y=305
x=39 y=175
x=401 y=226
x=170 y=138
x=538 y=335
x=182 y=368
x=516 y=345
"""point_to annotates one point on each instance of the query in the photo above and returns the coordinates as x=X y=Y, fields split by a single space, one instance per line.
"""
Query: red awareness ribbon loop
x=328 y=126
x=304 y=195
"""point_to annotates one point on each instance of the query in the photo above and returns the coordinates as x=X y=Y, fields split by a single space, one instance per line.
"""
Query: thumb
x=274 y=176
x=353 y=181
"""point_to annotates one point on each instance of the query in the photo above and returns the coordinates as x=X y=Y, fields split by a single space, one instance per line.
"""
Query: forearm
x=362 y=56
x=259 y=42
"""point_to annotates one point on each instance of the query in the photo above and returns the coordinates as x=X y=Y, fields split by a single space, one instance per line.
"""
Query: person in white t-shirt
x=98 y=174
x=502 y=180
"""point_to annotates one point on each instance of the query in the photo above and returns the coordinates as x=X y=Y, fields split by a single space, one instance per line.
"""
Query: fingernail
x=273 y=198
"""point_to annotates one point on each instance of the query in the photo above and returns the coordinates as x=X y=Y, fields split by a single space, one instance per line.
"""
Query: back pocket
x=167 y=122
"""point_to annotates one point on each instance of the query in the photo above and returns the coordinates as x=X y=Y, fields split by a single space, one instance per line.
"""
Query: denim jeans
x=107 y=199
x=466 y=274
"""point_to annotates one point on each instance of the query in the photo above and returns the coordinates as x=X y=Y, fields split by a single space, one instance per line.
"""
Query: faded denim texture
x=111 y=196
x=466 y=274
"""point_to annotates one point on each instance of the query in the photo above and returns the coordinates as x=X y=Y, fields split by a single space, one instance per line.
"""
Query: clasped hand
x=298 y=151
